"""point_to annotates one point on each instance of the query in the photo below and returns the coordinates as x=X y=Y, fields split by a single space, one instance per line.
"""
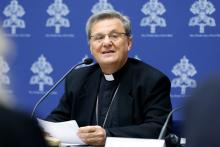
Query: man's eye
x=114 y=35
x=99 y=37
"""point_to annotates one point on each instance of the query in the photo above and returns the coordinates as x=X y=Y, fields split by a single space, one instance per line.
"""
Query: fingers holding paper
x=93 y=135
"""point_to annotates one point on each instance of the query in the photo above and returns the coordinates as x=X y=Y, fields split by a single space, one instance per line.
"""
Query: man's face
x=109 y=45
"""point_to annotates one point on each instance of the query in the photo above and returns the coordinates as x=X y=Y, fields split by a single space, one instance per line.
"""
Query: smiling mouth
x=107 y=52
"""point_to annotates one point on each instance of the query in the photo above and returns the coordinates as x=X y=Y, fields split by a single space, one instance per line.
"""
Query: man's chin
x=108 y=61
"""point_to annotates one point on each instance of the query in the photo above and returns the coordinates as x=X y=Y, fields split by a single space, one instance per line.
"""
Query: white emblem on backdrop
x=102 y=5
x=153 y=10
x=41 y=69
x=14 y=12
x=202 y=9
x=137 y=57
x=58 y=10
x=4 y=78
x=184 y=71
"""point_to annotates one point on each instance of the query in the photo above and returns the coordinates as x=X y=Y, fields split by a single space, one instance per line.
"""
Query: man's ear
x=91 y=51
x=90 y=48
x=129 y=43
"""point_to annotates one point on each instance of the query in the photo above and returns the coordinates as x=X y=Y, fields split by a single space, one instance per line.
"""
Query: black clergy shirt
x=107 y=97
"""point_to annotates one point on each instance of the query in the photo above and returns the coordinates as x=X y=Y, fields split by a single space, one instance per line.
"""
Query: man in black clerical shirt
x=118 y=96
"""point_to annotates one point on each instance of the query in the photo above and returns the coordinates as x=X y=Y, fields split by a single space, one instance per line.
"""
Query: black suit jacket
x=18 y=130
x=140 y=107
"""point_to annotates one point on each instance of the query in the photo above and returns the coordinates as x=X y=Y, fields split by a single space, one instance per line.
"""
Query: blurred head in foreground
x=203 y=115
x=16 y=129
x=5 y=47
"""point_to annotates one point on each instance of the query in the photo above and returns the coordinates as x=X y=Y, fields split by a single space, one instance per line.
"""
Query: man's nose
x=107 y=40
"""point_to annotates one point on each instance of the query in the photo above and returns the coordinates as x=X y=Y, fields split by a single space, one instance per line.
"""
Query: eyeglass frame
x=100 y=37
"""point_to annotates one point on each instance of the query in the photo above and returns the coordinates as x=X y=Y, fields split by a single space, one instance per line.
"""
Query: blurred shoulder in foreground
x=18 y=130
x=202 y=116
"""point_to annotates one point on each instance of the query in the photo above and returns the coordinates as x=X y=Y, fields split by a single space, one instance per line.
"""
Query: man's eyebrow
x=100 y=33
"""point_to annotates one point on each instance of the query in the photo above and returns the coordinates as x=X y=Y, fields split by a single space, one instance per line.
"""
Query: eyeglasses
x=114 y=36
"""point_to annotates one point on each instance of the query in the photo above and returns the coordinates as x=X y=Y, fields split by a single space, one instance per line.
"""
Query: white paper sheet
x=66 y=131
x=133 y=142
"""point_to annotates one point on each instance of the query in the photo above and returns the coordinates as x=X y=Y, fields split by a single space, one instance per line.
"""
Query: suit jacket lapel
x=88 y=100
x=125 y=101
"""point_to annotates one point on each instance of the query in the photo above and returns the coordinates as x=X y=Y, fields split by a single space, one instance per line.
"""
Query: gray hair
x=108 y=14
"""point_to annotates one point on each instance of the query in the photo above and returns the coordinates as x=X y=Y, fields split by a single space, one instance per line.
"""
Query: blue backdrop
x=181 y=38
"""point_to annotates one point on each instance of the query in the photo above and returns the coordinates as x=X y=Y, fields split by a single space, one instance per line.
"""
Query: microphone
x=172 y=140
x=164 y=128
x=86 y=61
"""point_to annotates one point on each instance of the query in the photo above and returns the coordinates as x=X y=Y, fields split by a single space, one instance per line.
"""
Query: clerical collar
x=109 y=77
x=115 y=76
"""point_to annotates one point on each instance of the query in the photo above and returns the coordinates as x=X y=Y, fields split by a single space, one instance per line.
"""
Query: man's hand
x=92 y=135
